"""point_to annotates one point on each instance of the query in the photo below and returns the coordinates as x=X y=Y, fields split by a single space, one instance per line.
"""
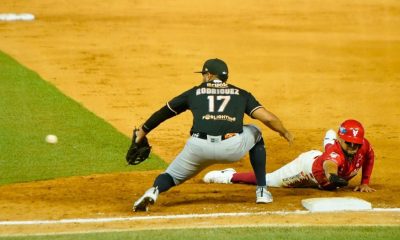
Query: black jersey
x=217 y=107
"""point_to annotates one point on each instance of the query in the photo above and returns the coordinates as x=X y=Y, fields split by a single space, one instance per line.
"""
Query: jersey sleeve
x=332 y=154
x=252 y=104
x=157 y=118
x=368 y=165
x=180 y=103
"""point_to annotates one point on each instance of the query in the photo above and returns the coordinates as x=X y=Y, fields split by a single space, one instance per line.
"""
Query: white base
x=16 y=17
x=335 y=204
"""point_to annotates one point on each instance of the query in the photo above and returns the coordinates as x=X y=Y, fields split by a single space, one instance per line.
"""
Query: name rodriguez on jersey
x=230 y=91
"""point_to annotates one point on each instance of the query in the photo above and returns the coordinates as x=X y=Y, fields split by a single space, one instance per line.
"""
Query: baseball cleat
x=263 y=195
x=219 y=176
x=330 y=137
x=148 y=198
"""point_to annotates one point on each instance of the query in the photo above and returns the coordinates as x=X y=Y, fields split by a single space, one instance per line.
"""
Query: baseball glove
x=138 y=152
x=338 y=181
x=334 y=182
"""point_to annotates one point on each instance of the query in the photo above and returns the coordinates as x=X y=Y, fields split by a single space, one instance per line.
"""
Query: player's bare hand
x=364 y=188
x=288 y=136
x=140 y=134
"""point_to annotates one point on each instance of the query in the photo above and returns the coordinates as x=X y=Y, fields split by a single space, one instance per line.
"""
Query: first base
x=335 y=204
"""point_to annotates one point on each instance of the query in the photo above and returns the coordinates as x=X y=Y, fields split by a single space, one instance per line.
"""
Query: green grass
x=309 y=233
x=31 y=108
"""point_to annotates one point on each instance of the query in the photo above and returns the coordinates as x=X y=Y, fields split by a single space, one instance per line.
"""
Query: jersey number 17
x=213 y=99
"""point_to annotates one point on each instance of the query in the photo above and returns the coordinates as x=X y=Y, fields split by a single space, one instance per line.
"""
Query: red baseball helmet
x=351 y=131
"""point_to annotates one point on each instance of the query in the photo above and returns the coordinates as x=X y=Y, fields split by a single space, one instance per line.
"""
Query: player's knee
x=256 y=131
x=260 y=145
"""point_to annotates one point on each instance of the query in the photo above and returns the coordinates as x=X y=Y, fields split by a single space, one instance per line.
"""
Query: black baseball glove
x=334 y=182
x=138 y=152
x=338 y=181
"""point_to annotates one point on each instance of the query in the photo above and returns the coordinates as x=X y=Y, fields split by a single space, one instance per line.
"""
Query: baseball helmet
x=351 y=131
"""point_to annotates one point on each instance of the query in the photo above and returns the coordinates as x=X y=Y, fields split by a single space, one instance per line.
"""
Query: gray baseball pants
x=201 y=153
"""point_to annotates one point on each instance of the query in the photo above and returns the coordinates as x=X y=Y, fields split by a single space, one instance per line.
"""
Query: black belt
x=202 y=135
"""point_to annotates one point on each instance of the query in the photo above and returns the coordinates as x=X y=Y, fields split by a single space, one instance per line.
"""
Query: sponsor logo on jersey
x=217 y=85
x=219 y=117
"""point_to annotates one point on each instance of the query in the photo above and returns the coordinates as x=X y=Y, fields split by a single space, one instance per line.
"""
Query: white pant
x=200 y=153
x=297 y=173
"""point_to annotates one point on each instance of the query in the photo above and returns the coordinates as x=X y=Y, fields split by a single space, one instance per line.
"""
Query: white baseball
x=51 y=139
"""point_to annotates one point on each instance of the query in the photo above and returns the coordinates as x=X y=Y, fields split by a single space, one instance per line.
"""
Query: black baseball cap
x=215 y=66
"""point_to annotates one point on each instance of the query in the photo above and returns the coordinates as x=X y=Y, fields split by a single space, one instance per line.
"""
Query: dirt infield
x=313 y=63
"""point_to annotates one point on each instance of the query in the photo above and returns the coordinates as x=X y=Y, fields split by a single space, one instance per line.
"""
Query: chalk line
x=180 y=216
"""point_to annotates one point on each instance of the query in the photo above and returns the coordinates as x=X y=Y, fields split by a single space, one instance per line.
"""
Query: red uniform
x=307 y=169
x=347 y=168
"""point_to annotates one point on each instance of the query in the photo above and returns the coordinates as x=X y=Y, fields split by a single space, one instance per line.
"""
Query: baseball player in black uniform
x=217 y=135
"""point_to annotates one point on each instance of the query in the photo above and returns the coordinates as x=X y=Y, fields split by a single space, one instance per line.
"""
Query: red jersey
x=347 y=168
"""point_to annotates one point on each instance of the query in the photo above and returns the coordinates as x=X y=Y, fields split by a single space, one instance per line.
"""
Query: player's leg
x=254 y=143
x=250 y=141
x=297 y=173
x=258 y=157
x=234 y=149
x=245 y=178
x=229 y=175
x=188 y=163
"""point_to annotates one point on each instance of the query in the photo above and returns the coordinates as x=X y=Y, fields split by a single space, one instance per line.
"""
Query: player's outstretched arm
x=363 y=188
x=156 y=119
x=330 y=167
x=273 y=122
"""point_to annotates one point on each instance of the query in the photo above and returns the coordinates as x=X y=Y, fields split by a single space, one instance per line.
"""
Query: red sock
x=247 y=178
